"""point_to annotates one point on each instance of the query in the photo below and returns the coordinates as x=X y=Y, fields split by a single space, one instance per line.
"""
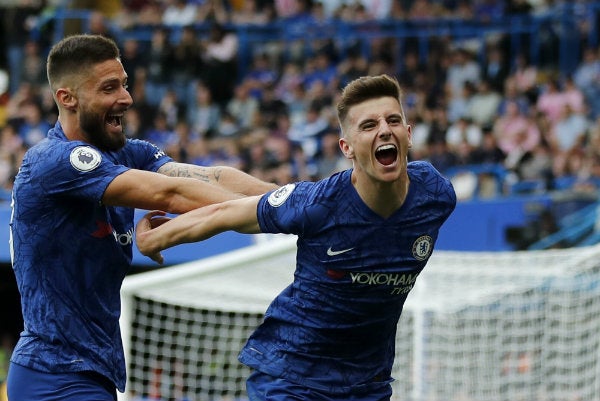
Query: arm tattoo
x=185 y=170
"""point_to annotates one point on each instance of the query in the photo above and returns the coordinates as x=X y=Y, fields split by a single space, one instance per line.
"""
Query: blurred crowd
x=471 y=102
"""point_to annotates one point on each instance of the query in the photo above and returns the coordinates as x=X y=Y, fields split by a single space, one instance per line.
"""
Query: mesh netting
x=477 y=326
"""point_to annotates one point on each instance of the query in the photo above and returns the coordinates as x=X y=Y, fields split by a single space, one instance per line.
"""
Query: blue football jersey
x=334 y=327
x=70 y=253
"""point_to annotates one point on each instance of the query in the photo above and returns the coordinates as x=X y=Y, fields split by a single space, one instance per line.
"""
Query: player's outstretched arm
x=154 y=232
x=226 y=177
x=151 y=191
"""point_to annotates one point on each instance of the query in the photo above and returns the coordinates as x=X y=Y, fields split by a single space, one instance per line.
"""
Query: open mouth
x=114 y=120
x=386 y=154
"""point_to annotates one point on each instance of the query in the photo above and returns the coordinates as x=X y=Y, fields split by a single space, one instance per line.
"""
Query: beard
x=93 y=124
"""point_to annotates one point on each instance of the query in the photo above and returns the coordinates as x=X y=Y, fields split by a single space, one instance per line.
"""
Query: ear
x=346 y=148
x=66 y=98
x=409 y=129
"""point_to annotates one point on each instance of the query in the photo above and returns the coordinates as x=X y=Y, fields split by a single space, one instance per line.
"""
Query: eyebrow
x=113 y=80
x=369 y=119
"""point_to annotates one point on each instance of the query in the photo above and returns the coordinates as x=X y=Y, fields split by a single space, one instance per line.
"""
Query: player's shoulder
x=422 y=168
x=139 y=143
x=310 y=193
x=50 y=151
x=141 y=148
x=332 y=186
x=56 y=146
x=423 y=173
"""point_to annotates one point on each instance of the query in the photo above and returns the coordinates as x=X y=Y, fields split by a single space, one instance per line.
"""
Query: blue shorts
x=263 y=387
x=25 y=384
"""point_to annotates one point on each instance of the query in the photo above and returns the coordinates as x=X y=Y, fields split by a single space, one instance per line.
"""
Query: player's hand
x=148 y=222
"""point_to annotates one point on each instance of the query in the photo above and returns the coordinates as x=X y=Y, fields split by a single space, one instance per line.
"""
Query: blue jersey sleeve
x=143 y=155
x=292 y=209
x=69 y=169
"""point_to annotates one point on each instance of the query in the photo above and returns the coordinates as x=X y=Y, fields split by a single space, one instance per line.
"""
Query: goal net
x=478 y=326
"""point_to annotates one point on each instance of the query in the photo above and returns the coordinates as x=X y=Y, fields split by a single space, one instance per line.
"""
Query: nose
x=125 y=97
x=384 y=128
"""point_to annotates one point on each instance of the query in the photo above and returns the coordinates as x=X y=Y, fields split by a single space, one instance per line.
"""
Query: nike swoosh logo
x=331 y=252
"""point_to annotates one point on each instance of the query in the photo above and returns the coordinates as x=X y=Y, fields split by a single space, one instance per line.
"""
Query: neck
x=384 y=198
x=70 y=127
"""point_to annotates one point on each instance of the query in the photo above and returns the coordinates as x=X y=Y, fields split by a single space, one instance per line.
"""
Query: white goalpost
x=478 y=326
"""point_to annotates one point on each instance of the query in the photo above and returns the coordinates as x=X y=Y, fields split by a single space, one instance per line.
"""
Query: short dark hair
x=78 y=53
x=367 y=88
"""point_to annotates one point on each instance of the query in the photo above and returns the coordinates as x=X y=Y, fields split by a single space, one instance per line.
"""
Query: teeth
x=385 y=147
x=114 y=119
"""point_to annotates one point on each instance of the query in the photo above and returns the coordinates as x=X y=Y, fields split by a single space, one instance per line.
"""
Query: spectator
x=323 y=72
x=307 y=133
x=179 y=147
x=134 y=13
x=227 y=152
x=352 y=67
x=290 y=78
x=488 y=10
x=526 y=77
x=270 y=107
x=421 y=127
x=12 y=149
x=297 y=103
x=282 y=127
x=483 y=106
x=227 y=126
x=161 y=134
x=512 y=94
x=213 y=11
x=134 y=127
x=330 y=160
x=495 y=69
x=199 y=152
x=515 y=132
x=219 y=56
x=17 y=25
x=249 y=13
x=243 y=107
x=172 y=108
x=421 y=10
x=458 y=106
x=33 y=65
x=463 y=137
x=33 y=127
x=587 y=78
x=158 y=66
x=551 y=101
x=4 y=96
x=186 y=56
x=488 y=152
x=261 y=74
x=378 y=9
x=100 y=24
x=133 y=60
x=439 y=126
x=570 y=131
x=204 y=115
x=518 y=7
x=409 y=69
x=463 y=68
x=440 y=156
x=319 y=95
x=574 y=96
x=179 y=13
x=10 y=140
